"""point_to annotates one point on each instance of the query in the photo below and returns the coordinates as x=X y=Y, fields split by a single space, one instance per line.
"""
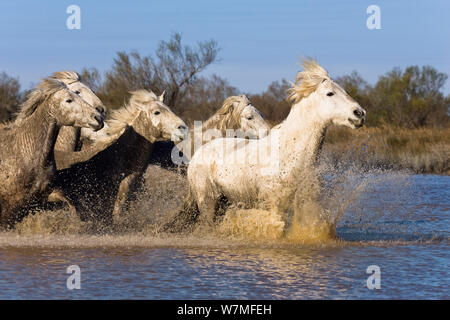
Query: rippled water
x=400 y=227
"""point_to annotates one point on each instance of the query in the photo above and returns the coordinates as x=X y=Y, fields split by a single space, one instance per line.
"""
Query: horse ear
x=161 y=97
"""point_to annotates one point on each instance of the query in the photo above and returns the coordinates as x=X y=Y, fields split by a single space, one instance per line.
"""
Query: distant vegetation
x=421 y=150
x=400 y=100
x=410 y=98
x=10 y=97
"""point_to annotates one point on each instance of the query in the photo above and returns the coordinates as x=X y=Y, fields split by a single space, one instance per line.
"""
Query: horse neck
x=301 y=136
x=212 y=122
x=37 y=136
x=68 y=139
x=132 y=143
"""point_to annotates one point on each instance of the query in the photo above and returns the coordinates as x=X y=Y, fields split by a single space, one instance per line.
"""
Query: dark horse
x=99 y=179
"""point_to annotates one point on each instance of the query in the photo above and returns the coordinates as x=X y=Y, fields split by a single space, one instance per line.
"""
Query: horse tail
x=184 y=220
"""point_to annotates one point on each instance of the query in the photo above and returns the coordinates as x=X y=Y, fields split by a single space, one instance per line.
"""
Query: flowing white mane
x=228 y=115
x=68 y=77
x=124 y=116
x=307 y=80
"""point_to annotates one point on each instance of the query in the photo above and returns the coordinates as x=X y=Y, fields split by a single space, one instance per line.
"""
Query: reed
x=424 y=150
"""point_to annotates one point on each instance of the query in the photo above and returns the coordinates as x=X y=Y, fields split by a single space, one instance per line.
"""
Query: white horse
x=237 y=117
x=231 y=167
x=69 y=137
x=27 y=163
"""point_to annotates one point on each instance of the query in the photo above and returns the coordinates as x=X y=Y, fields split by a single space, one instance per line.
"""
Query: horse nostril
x=100 y=109
x=358 y=113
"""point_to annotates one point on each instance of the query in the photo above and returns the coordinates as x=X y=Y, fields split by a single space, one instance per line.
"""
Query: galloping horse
x=230 y=167
x=236 y=114
x=69 y=137
x=99 y=179
x=27 y=159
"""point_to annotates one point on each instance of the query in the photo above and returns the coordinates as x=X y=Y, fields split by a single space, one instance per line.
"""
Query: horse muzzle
x=357 y=123
x=99 y=122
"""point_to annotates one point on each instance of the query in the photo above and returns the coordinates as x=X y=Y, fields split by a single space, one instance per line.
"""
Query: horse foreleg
x=207 y=206
x=123 y=193
x=58 y=196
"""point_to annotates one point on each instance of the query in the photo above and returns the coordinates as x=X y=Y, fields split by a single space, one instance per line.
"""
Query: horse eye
x=156 y=113
x=77 y=92
x=250 y=118
x=330 y=94
x=69 y=100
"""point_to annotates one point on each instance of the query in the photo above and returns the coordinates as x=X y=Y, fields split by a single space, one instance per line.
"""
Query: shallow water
x=402 y=227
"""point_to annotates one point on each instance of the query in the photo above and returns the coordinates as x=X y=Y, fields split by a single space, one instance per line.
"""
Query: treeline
x=10 y=96
x=410 y=98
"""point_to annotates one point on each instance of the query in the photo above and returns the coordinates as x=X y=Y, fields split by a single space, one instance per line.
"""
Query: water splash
x=318 y=207
x=313 y=218
x=47 y=222
x=252 y=224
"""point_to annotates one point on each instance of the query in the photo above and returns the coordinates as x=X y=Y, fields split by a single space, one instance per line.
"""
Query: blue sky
x=261 y=40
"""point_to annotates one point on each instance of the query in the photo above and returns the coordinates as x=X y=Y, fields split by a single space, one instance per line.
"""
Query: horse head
x=331 y=104
x=74 y=82
x=69 y=109
x=242 y=115
x=155 y=120
x=62 y=104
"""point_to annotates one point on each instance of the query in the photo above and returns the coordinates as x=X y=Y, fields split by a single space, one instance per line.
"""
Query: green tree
x=410 y=98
